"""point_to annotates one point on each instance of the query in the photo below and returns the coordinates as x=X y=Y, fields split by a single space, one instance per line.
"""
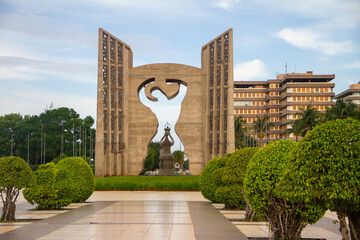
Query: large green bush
x=15 y=174
x=263 y=173
x=207 y=183
x=82 y=176
x=325 y=170
x=230 y=184
x=53 y=188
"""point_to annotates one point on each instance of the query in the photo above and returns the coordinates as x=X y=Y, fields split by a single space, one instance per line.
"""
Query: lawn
x=144 y=183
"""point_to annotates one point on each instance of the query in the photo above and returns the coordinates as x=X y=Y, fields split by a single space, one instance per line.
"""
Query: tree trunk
x=343 y=228
x=249 y=212
x=9 y=207
x=354 y=222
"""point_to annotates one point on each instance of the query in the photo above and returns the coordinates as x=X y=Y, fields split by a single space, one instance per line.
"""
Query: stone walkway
x=145 y=215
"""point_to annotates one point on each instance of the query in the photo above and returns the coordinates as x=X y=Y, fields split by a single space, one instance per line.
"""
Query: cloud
x=32 y=24
x=334 y=13
x=25 y=99
x=18 y=68
x=228 y=5
x=353 y=65
x=310 y=39
x=251 y=70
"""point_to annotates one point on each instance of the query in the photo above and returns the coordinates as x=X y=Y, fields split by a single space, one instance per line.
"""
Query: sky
x=48 y=49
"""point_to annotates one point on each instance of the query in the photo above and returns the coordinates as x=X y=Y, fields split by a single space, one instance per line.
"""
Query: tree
x=156 y=146
x=325 y=170
x=264 y=171
x=53 y=188
x=206 y=183
x=40 y=138
x=149 y=160
x=341 y=110
x=82 y=176
x=297 y=127
x=261 y=126
x=239 y=132
x=309 y=117
x=230 y=185
x=179 y=157
x=15 y=175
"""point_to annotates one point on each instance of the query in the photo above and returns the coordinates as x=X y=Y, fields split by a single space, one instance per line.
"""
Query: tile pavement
x=145 y=215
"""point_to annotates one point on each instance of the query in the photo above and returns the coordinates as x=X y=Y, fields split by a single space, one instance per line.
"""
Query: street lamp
x=12 y=140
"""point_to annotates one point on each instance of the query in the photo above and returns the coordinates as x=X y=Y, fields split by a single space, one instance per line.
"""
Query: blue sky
x=48 y=49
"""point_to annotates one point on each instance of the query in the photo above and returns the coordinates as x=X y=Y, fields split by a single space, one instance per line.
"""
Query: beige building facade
x=353 y=94
x=281 y=99
x=125 y=126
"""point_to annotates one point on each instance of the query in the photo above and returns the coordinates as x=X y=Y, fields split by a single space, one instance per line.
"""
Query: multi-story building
x=281 y=99
x=353 y=94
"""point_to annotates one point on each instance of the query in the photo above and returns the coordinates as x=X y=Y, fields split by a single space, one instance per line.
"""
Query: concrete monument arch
x=125 y=126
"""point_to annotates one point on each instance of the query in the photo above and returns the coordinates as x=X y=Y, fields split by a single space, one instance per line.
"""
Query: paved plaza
x=145 y=215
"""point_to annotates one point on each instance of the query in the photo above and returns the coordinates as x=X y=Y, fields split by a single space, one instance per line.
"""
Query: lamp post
x=12 y=140
x=28 y=150
x=62 y=139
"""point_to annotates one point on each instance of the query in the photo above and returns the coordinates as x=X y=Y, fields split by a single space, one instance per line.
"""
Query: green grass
x=145 y=183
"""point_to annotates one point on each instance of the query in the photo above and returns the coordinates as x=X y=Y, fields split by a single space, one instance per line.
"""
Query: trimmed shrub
x=82 y=176
x=15 y=174
x=53 y=188
x=207 y=183
x=230 y=184
x=325 y=170
x=263 y=173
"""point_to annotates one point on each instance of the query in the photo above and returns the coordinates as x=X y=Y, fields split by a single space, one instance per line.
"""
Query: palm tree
x=341 y=110
x=309 y=117
x=296 y=128
x=261 y=126
x=239 y=131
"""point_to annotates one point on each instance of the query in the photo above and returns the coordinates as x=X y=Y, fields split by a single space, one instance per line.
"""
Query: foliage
x=156 y=146
x=309 y=118
x=263 y=173
x=82 y=176
x=207 y=183
x=185 y=166
x=149 y=160
x=158 y=183
x=15 y=174
x=179 y=157
x=261 y=126
x=33 y=130
x=325 y=168
x=53 y=188
x=297 y=127
x=243 y=140
x=57 y=159
x=341 y=110
x=230 y=181
x=239 y=132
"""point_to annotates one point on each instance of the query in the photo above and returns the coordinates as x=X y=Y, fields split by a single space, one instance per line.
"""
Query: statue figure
x=166 y=164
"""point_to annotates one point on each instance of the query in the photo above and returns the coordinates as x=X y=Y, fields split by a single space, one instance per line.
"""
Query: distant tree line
x=55 y=133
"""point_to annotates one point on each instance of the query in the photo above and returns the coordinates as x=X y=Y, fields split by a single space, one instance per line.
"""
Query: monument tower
x=125 y=126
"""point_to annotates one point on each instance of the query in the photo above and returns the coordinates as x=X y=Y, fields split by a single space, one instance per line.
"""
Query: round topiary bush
x=326 y=170
x=15 y=174
x=206 y=182
x=53 y=188
x=82 y=176
x=230 y=186
x=263 y=173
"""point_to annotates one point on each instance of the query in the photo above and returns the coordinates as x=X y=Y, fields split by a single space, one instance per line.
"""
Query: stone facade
x=125 y=126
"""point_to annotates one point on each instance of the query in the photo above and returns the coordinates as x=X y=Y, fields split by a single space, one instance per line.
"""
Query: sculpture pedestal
x=166 y=165
x=166 y=172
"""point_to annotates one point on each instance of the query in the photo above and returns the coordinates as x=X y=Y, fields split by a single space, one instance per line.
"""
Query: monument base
x=166 y=172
